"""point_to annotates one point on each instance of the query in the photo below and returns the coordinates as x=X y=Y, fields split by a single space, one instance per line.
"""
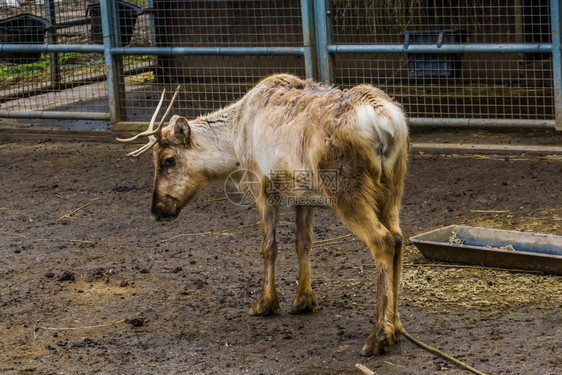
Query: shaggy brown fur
x=311 y=143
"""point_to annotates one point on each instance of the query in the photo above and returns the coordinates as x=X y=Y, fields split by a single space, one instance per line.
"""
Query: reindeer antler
x=154 y=135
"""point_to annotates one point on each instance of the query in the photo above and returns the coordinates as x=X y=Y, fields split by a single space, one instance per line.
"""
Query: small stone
x=137 y=322
x=67 y=276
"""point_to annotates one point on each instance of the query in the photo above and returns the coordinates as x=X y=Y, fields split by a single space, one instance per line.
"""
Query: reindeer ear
x=182 y=131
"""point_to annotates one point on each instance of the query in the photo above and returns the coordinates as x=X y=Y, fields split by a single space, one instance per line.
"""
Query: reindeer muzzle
x=168 y=210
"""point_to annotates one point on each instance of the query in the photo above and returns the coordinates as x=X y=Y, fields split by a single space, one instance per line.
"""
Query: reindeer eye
x=169 y=162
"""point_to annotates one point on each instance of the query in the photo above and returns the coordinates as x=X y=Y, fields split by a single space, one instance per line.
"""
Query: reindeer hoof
x=372 y=349
x=377 y=343
x=367 y=351
x=304 y=304
x=264 y=308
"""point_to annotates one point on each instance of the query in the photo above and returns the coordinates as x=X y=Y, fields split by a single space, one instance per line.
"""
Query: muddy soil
x=89 y=284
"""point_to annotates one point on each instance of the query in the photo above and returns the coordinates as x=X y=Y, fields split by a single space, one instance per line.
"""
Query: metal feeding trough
x=492 y=247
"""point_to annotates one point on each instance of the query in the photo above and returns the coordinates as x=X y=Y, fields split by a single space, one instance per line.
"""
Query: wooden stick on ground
x=440 y=353
x=88 y=327
x=332 y=239
x=76 y=210
x=364 y=369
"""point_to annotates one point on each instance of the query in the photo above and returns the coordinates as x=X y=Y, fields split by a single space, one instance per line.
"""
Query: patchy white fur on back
x=382 y=125
x=371 y=123
x=398 y=119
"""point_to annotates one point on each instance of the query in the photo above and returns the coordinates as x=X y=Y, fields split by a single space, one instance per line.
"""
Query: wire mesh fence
x=36 y=81
x=383 y=22
x=216 y=23
x=210 y=82
x=77 y=81
x=472 y=85
x=494 y=86
x=500 y=85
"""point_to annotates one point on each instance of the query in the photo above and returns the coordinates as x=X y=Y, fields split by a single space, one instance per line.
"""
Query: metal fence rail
x=461 y=63
x=45 y=80
x=451 y=63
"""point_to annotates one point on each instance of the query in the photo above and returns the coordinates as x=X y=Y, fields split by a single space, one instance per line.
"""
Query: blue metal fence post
x=52 y=39
x=555 y=18
x=307 y=13
x=113 y=63
x=322 y=36
x=151 y=23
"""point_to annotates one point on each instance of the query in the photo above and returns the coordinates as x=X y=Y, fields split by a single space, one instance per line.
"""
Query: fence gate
x=451 y=63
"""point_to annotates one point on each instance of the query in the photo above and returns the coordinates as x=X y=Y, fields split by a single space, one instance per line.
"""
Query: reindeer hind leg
x=358 y=213
x=389 y=210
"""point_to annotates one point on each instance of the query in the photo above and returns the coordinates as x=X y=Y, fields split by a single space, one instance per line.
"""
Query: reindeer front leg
x=268 y=302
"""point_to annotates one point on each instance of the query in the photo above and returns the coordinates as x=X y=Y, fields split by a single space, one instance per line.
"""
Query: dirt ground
x=89 y=284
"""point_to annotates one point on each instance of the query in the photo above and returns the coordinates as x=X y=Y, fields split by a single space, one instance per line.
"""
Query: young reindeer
x=280 y=128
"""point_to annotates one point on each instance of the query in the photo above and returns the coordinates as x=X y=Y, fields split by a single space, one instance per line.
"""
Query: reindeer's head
x=177 y=179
